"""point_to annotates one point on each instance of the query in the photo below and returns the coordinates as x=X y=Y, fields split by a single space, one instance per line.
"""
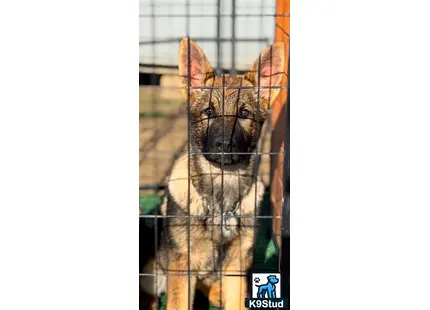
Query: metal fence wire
x=232 y=34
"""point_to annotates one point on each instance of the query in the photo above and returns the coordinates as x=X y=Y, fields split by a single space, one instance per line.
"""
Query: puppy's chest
x=206 y=255
x=227 y=190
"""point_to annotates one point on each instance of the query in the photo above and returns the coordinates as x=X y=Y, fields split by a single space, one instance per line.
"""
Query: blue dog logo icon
x=268 y=295
x=267 y=290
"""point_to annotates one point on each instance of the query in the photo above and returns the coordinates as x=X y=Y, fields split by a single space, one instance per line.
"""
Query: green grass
x=266 y=253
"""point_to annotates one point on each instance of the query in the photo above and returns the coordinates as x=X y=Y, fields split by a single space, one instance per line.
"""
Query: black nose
x=222 y=144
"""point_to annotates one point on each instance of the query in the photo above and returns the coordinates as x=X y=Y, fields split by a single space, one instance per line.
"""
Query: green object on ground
x=148 y=205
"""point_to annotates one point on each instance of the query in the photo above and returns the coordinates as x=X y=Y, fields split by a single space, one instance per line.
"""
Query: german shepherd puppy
x=213 y=234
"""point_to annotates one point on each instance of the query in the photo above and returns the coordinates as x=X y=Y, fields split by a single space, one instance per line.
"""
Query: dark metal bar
x=192 y=274
x=284 y=259
x=200 y=39
x=187 y=18
x=208 y=216
x=153 y=109
x=257 y=157
x=239 y=87
x=229 y=87
x=233 y=37
x=214 y=15
x=179 y=3
x=190 y=302
x=161 y=66
x=153 y=75
x=261 y=18
x=216 y=153
x=218 y=36
x=222 y=183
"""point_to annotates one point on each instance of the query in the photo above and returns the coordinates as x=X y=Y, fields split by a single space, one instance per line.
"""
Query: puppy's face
x=227 y=112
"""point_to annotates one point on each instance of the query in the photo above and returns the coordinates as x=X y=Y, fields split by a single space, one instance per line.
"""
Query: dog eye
x=209 y=111
x=244 y=112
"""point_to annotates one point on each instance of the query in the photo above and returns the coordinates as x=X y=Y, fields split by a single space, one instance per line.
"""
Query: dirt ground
x=163 y=133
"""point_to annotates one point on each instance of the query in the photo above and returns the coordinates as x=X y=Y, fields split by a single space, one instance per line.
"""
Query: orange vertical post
x=282 y=33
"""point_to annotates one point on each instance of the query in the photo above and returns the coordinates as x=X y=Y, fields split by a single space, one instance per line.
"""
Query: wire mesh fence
x=205 y=142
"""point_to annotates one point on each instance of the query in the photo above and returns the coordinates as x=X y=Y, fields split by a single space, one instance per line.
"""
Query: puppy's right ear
x=267 y=70
x=199 y=70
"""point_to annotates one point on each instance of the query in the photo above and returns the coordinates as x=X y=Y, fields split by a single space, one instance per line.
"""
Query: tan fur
x=178 y=184
x=269 y=77
x=180 y=287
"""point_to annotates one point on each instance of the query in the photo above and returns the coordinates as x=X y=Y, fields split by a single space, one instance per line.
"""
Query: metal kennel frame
x=151 y=69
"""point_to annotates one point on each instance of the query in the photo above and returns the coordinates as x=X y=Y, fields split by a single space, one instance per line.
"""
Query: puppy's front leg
x=180 y=296
x=234 y=285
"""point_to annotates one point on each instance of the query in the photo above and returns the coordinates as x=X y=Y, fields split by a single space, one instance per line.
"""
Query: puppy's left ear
x=270 y=66
x=194 y=67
